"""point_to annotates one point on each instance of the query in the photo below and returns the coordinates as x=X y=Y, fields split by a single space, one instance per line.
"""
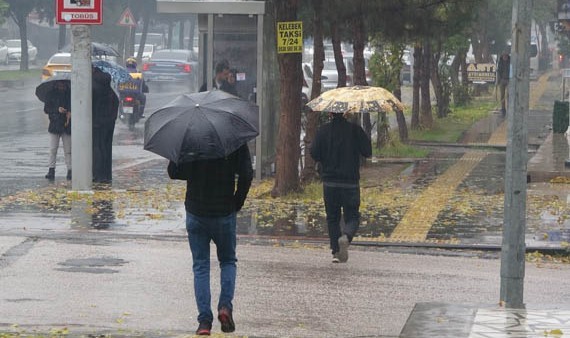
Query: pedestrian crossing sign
x=127 y=19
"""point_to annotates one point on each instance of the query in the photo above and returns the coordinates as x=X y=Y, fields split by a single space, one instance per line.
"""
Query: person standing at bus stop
x=503 y=76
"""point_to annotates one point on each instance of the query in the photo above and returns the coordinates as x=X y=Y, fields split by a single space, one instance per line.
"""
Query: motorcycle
x=129 y=110
x=131 y=107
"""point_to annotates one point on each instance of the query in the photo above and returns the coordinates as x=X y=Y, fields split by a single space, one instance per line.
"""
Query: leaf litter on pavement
x=384 y=202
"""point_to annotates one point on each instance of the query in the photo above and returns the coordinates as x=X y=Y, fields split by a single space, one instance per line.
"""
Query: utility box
x=560 y=116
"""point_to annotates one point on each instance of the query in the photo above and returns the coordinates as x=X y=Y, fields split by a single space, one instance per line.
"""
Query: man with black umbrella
x=212 y=201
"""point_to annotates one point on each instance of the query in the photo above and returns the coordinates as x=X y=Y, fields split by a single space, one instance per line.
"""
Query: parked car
x=15 y=51
x=147 y=52
x=329 y=75
x=307 y=83
x=57 y=63
x=3 y=52
x=179 y=65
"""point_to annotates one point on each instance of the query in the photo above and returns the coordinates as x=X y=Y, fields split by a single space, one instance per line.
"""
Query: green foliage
x=397 y=149
x=445 y=130
x=20 y=75
x=386 y=65
x=452 y=127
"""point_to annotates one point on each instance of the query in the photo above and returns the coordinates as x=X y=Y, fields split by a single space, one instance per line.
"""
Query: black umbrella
x=201 y=126
x=100 y=49
x=44 y=89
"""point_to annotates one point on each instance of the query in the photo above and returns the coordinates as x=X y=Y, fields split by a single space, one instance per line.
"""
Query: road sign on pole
x=127 y=19
x=79 y=12
x=514 y=226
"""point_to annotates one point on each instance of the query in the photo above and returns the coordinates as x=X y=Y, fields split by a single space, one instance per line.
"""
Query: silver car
x=329 y=75
x=172 y=65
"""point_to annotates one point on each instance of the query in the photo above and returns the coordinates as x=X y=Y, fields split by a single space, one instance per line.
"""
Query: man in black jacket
x=58 y=108
x=220 y=80
x=212 y=201
x=338 y=147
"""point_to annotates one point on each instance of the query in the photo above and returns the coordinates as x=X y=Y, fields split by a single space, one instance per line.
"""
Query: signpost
x=84 y=12
x=80 y=14
x=481 y=72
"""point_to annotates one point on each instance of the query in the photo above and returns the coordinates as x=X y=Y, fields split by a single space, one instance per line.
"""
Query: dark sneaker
x=51 y=174
x=226 y=319
x=204 y=329
x=342 y=253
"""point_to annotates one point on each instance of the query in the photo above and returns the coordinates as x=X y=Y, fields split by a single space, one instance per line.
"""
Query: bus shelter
x=234 y=31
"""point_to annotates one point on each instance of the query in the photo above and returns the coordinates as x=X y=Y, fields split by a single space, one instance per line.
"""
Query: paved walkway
x=421 y=216
x=485 y=321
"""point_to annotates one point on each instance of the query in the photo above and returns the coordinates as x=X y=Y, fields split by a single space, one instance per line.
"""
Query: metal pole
x=514 y=225
x=210 y=53
x=81 y=133
x=259 y=97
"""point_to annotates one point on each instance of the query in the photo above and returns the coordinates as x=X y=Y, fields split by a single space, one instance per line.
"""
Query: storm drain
x=92 y=265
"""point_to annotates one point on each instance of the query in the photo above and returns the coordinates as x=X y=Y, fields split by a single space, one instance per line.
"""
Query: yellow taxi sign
x=290 y=37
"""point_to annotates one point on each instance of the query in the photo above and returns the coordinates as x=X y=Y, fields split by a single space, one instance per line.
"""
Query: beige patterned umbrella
x=356 y=99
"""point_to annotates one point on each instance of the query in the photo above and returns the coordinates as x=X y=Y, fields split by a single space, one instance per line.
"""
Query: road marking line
x=421 y=214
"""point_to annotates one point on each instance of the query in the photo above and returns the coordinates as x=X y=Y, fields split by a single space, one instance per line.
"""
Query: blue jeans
x=340 y=200
x=222 y=231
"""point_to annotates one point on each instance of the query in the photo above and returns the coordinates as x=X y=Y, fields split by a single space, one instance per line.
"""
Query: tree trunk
x=359 y=74
x=544 y=52
x=338 y=58
x=415 y=123
x=402 y=126
x=287 y=159
x=169 y=38
x=382 y=125
x=181 y=34
x=192 y=32
x=23 y=27
x=61 y=38
x=309 y=172
x=142 y=42
x=359 y=40
x=437 y=83
x=426 y=118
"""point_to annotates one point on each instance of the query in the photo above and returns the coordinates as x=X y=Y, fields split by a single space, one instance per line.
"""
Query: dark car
x=172 y=65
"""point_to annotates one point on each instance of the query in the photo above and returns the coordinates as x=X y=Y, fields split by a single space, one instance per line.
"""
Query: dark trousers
x=103 y=153
x=341 y=201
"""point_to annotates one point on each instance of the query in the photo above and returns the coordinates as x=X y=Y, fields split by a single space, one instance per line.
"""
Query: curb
x=21 y=83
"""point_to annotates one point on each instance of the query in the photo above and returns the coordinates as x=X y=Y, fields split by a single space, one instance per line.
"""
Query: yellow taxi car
x=59 y=62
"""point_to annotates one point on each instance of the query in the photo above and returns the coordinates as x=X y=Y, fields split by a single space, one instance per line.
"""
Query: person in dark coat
x=220 y=80
x=338 y=146
x=503 y=76
x=230 y=85
x=212 y=202
x=105 y=106
x=58 y=108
